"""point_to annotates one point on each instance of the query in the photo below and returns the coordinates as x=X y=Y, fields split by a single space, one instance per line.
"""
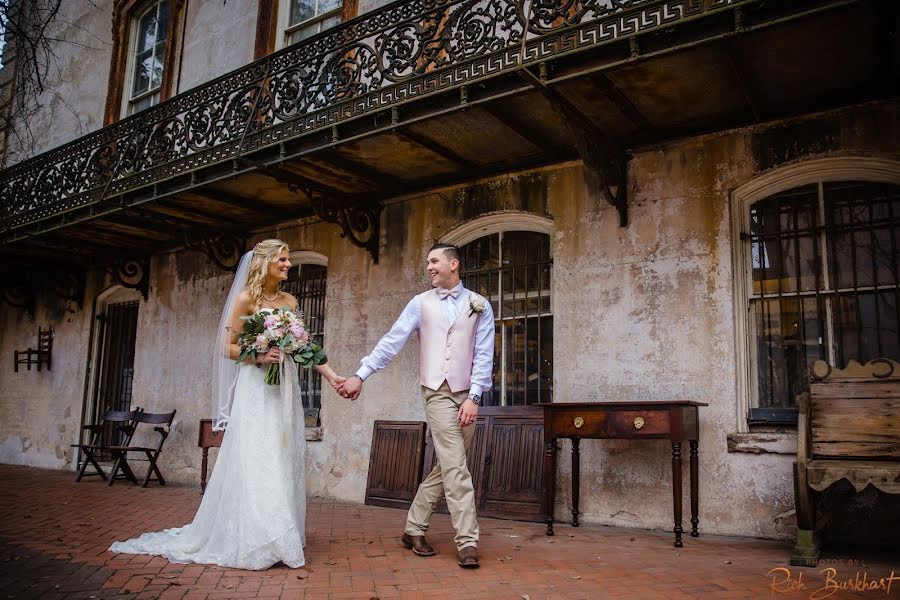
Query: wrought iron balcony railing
x=401 y=52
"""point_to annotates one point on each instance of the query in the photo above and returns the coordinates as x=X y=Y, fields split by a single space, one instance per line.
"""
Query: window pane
x=302 y=10
x=788 y=341
x=143 y=68
x=162 y=30
x=520 y=266
x=783 y=233
x=146 y=36
x=865 y=326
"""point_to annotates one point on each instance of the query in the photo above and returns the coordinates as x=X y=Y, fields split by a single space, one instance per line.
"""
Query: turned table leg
x=676 y=491
x=576 y=479
x=695 y=492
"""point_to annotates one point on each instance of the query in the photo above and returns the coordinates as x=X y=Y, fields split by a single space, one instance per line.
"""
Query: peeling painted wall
x=643 y=312
x=76 y=83
x=40 y=412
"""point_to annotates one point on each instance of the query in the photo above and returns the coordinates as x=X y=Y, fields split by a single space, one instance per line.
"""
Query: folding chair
x=163 y=422
x=112 y=422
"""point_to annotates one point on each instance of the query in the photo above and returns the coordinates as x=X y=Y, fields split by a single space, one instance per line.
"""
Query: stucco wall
x=219 y=38
x=76 y=81
x=643 y=312
x=40 y=412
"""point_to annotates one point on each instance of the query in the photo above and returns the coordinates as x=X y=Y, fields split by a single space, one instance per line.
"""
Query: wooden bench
x=848 y=428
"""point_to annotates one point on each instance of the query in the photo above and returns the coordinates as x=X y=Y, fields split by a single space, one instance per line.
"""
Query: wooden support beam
x=171 y=208
x=621 y=100
x=741 y=80
x=603 y=156
x=439 y=149
x=520 y=127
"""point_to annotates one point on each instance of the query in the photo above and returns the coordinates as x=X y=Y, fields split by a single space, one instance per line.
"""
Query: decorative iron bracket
x=224 y=250
x=133 y=273
x=360 y=222
x=603 y=156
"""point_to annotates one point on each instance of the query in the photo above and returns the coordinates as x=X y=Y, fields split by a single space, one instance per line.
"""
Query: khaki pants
x=450 y=476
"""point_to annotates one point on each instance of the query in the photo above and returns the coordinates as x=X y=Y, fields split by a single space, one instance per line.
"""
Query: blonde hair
x=265 y=252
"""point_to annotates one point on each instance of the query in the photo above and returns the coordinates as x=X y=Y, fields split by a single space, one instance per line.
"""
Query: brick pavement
x=54 y=534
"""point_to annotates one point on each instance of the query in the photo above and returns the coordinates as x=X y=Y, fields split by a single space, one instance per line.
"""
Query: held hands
x=350 y=388
x=467 y=413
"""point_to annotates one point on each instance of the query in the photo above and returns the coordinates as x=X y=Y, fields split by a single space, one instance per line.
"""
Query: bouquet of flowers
x=283 y=329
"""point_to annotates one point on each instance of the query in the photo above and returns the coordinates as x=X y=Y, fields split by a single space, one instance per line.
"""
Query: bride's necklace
x=273 y=298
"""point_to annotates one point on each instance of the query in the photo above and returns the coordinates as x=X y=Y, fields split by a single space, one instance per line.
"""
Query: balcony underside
x=747 y=63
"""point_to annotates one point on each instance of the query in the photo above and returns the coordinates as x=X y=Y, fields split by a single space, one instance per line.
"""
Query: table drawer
x=639 y=422
x=580 y=422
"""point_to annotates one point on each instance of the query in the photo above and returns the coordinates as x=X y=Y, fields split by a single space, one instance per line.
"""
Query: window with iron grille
x=513 y=271
x=825 y=285
x=307 y=284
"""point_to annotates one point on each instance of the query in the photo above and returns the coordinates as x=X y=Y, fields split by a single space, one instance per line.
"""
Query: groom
x=456 y=355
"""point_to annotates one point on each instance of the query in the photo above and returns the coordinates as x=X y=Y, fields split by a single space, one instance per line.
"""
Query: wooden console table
x=674 y=420
x=207 y=439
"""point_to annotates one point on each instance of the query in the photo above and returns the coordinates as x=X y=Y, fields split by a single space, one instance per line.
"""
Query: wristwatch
x=475 y=399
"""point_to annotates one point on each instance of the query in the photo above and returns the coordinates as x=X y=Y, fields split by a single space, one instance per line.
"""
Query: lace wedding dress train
x=254 y=509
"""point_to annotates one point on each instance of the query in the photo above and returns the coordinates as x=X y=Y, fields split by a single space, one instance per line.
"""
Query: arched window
x=513 y=270
x=821 y=282
x=306 y=281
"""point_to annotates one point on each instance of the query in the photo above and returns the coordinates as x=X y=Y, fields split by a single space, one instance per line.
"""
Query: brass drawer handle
x=578 y=422
x=638 y=422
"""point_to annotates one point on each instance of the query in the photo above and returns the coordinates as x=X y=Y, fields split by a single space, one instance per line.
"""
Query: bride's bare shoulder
x=244 y=300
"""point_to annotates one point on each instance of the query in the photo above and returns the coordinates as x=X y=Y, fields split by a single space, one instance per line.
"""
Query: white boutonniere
x=476 y=305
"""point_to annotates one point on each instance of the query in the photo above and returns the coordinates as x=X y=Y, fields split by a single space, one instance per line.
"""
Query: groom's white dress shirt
x=408 y=322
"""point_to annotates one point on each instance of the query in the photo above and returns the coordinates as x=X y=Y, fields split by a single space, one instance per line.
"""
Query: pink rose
x=270 y=322
x=261 y=342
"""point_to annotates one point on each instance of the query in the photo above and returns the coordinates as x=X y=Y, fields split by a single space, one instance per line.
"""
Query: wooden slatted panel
x=474 y=460
x=506 y=462
x=855 y=426
x=858 y=389
x=395 y=463
x=513 y=483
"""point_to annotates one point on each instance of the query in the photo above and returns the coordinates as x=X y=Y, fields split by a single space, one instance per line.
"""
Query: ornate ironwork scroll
x=405 y=50
x=359 y=223
x=224 y=250
x=132 y=273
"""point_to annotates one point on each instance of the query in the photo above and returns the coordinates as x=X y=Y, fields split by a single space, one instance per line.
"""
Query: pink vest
x=445 y=351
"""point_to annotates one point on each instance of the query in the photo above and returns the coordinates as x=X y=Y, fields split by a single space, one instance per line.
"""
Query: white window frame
x=286 y=30
x=816 y=171
x=134 y=25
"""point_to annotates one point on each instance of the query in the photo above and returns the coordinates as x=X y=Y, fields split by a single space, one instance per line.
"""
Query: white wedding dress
x=254 y=510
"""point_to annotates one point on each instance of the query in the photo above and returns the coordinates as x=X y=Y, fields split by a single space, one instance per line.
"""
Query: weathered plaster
x=40 y=412
x=643 y=312
x=219 y=38
x=76 y=83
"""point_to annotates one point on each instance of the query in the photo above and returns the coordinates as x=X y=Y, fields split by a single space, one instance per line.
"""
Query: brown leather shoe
x=418 y=545
x=468 y=557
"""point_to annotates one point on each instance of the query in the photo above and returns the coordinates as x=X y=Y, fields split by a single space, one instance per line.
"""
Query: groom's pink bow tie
x=443 y=293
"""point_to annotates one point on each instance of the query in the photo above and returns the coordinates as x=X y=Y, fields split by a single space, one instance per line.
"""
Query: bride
x=254 y=509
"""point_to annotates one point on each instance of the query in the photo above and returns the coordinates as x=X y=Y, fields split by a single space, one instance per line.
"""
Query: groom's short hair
x=450 y=251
